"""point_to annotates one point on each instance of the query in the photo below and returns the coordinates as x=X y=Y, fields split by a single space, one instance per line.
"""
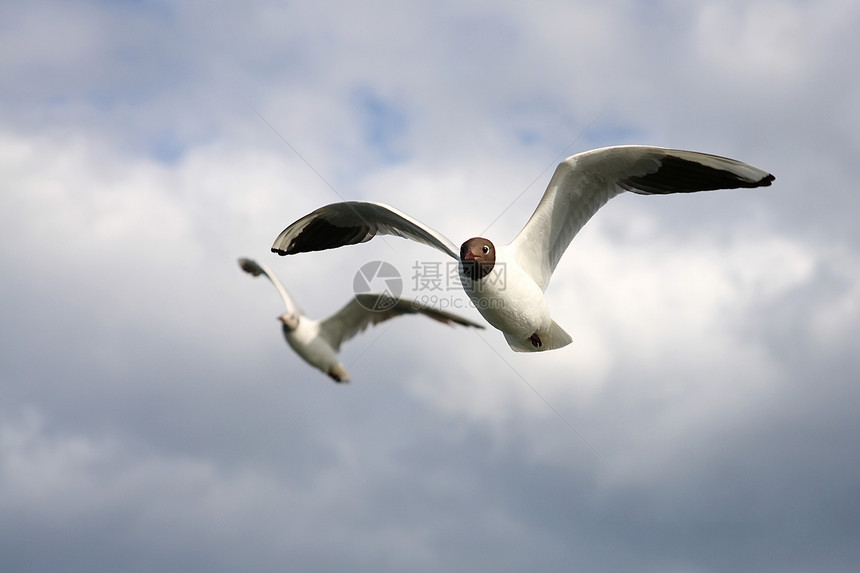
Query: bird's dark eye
x=486 y=249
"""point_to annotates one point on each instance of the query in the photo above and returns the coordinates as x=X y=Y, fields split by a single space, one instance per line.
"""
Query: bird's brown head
x=478 y=257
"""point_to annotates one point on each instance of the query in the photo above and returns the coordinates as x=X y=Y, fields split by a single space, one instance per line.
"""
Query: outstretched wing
x=254 y=268
x=369 y=309
x=583 y=183
x=353 y=222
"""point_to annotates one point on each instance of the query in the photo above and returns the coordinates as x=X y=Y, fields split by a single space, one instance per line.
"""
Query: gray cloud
x=153 y=417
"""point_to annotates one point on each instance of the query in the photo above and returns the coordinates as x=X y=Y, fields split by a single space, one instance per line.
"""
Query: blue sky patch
x=383 y=124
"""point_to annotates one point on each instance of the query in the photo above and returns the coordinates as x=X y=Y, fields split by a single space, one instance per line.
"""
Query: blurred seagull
x=507 y=283
x=318 y=341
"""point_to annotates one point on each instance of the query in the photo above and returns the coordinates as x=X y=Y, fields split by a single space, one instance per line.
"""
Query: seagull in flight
x=506 y=283
x=318 y=341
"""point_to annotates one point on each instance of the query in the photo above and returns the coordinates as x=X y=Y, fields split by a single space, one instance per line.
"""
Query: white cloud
x=759 y=39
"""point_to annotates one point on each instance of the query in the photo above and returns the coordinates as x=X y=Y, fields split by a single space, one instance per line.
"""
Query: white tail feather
x=555 y=338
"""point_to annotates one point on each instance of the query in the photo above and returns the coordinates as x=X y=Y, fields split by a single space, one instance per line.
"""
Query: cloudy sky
x=152 y=417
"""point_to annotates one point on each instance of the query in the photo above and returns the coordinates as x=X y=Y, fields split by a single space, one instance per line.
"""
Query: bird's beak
x=469 y=256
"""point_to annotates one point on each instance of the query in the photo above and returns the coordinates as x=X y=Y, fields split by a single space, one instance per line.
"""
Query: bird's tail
x=556 y=337
x=338 y=373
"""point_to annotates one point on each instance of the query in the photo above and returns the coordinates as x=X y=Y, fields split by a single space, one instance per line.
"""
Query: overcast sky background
x=153 y=418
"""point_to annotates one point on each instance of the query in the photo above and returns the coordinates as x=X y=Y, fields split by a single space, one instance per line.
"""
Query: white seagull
x=318 y=341
x=507 y=283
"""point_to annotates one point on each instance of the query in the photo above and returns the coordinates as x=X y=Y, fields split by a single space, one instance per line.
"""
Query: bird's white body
x=509 y=298
x=305 y=339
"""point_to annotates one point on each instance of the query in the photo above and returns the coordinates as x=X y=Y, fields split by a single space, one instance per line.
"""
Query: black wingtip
x=681 y=175
x=318 y=234
x=250 y=266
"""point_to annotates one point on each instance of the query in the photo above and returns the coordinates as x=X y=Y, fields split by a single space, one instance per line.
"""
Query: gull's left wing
x=583 y=183
x=369 y=309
